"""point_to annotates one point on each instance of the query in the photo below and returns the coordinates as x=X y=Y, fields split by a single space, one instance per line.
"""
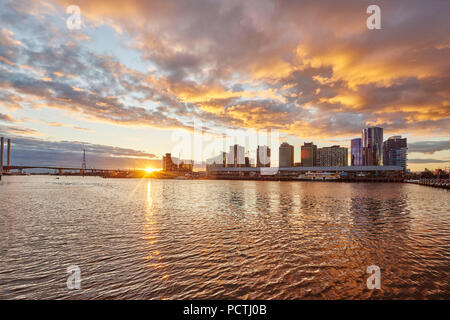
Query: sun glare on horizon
x=149 y=170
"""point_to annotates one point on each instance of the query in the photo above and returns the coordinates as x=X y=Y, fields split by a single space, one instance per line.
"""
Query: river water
x=205 y=239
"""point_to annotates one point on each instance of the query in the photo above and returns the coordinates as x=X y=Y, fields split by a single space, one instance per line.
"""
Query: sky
x=140 y=78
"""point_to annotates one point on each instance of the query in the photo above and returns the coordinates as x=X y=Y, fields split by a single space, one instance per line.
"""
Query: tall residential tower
x=356 y=152
x=395 y=151
x=309 y=154
x=263 y=156
x=372 y=146
x=334 y=156
x=286 y=156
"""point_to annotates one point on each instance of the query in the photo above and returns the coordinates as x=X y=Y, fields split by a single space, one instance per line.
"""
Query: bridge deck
x=7 y=168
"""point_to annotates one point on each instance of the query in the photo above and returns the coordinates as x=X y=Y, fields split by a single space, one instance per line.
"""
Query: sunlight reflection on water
x=181 y=239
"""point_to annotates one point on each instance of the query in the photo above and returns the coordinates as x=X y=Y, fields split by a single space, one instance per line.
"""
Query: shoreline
x=436 y=183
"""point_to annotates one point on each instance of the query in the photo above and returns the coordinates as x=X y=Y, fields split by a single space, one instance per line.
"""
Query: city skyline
x=121 y=87
x=390 y=151
x=369 y=150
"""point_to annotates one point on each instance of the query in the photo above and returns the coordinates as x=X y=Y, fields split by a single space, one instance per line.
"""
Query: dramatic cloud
x=71 y=146
x=428 y=161
x=308 y=68
x=32 y=151
x=17 y=131
x=250 y=52
x=429 y=147
x=6 y=118
x=58 y=124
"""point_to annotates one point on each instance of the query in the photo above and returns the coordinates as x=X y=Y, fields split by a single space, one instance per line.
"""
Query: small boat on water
x=361 y=174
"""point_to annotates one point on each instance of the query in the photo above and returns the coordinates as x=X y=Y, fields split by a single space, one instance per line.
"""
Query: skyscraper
x=334 y=156
x=236 y=156
x=263 y=156
x=372 y=146
x=395 y=151
x=168 y=164
x=286 y=155
x=309 y=154
x=356 y=152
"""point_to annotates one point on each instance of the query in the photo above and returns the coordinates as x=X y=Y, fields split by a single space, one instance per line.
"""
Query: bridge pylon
x=83 y=163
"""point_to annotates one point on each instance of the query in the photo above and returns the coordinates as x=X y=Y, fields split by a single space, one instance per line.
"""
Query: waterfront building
x=247 y=162
x=347 y=173
x=263 y=156
x=372 y=146
x=286 y=155
x=395 y=152
x=309 y=154
x=356 y=152
x=186 y=165
x=168 y=164
x=334 y=156
x=236 y=157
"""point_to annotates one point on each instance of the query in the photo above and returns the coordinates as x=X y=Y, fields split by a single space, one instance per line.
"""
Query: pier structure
x=438 y=183
x=348 y=173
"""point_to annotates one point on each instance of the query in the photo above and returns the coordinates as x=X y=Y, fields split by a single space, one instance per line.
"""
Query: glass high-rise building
x=309 y=154
x=236 y=157
x=356 y=152
x=395 y=152
x=263 y=156
x=286 y=155
x=168 y=164
x=372 y=146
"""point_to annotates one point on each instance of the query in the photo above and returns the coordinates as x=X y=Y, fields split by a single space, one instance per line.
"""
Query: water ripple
x=169 y=239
